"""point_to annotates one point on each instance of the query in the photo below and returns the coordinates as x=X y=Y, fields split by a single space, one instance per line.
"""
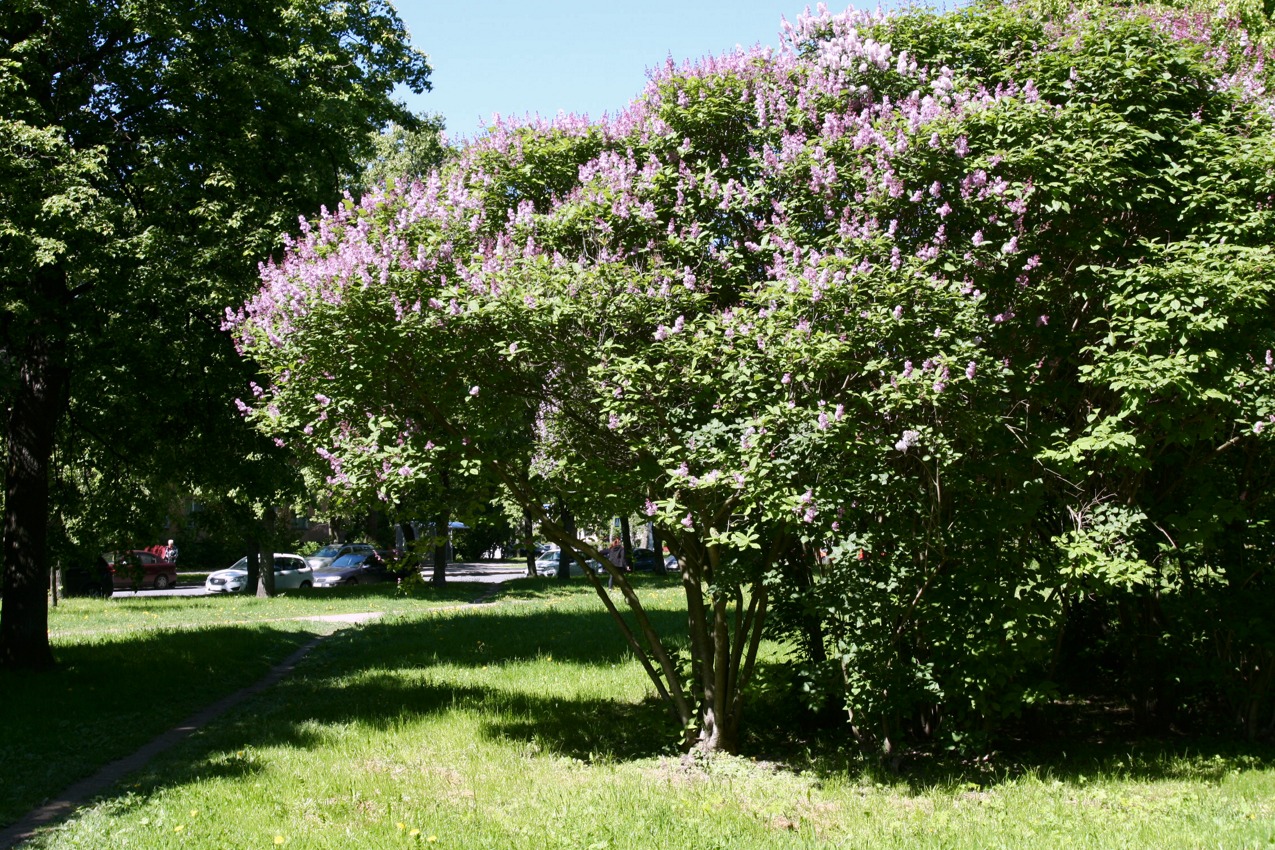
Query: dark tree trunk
x=266 y=587
x=442 y=530
x=254 y=568
x=527 y=546
x=38 y=404
x=565 y=555
x=657 y=543
x=626 y=537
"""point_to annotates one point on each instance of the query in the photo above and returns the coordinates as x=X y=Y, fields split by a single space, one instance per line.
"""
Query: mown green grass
x=130 y=668
x=526 y=724
x=128 y=614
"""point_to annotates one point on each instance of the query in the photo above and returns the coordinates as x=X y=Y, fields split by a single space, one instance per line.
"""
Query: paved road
x=494 y=573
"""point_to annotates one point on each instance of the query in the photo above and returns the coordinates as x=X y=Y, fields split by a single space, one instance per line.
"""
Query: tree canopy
x=151 y=154
x=927 y=341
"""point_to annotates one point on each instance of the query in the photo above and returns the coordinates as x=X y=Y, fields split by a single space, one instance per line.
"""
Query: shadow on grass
x=382 y=673
x=1075 y=744
x=107 y=698
x=385 y=673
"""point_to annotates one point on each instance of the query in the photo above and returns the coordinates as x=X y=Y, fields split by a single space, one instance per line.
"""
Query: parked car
x=139 y=568
x=547 y=565
x=94 y=579
x=645 y=560
x=325 y=556
x=290 y=572
x=354 y=568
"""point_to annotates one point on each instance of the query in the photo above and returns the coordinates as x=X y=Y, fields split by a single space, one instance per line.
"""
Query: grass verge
x=529 y=726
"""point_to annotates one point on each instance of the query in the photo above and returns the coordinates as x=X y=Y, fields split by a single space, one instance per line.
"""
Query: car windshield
x=327 y=552
x=351 y=560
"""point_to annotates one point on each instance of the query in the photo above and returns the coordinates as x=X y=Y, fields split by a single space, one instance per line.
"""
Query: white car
x=290 y=572
x=547 y=565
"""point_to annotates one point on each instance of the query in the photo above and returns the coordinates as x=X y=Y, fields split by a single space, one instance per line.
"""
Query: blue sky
x=581 y=56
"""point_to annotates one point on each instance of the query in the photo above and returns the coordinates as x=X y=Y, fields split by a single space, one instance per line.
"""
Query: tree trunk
x=527 y=546
x=254 y=569
x=657 y=543
x=266 y=587
x=39 y=401
x=565 y=555
x=442 y=530
x=626 y=538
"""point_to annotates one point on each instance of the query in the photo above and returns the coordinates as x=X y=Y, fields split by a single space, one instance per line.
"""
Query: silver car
x=290 y=573
x=325 y=556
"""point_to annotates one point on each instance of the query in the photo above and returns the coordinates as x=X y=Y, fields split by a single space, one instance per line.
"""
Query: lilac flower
x=939 y=386
x=839 y=412
x=405 y=471
x=1270 y=361
x=971 y=369
x=1259 y=427
x=683 y=470
x=907 y=368
x=823 y=422
x=651 y=508
x=962 y=147
x=661 y=333
x=938 y=333
x=613 y=422
x=278 y=442
x=243 y=408
x=687 y=522
x=473 y=391
x=898 y=312
x=908 y=441
x=978 y=238
x=786 y=379
x=1042 y=319
x=322 y=399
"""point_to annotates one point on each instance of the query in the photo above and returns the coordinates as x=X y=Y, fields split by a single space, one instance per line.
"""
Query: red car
x=138 y=568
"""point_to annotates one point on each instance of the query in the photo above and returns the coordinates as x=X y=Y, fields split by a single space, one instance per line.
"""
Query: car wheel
x=161 y=582
x=306 y=585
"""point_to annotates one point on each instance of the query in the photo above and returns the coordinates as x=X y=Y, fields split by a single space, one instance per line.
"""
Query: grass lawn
x=525 y=724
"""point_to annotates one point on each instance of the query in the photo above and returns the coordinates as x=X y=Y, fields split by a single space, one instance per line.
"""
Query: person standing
x=615 y=554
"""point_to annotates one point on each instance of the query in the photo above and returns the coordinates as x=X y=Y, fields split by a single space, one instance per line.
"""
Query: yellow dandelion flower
x=401 y=825
x=432 y=839
x=178 y=828
x=194 y=812
x=414 y=832
x=279 y=839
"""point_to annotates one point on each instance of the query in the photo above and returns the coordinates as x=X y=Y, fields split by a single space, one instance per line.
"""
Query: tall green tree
x=152 y=153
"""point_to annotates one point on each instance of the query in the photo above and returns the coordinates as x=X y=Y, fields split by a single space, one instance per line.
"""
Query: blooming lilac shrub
x=911 y=335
